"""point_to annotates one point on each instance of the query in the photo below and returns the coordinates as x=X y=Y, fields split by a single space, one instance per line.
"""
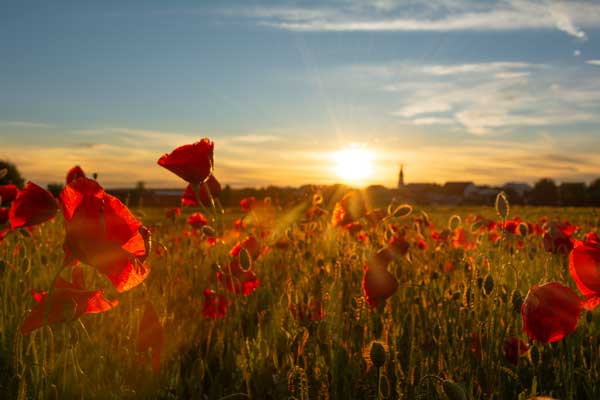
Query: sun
x=353 y=164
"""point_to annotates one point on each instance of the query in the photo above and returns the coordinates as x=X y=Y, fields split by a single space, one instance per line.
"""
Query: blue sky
x=490 y=91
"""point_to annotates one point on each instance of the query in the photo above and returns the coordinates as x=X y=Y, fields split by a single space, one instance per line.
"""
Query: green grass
x=258 y=350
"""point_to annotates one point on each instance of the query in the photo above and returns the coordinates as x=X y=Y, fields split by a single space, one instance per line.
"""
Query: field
x=303 y=328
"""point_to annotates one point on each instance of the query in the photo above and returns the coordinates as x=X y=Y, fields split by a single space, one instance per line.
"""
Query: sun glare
x=353 y=164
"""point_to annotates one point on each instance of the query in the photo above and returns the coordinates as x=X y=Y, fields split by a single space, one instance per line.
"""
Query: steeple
x=401 y=176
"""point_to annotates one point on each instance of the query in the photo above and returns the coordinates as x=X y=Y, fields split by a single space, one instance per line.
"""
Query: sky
x=489 y=91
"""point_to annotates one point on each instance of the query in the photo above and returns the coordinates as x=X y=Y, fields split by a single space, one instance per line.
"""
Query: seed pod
x=377 y=354
x=523 y=229
x=502 y=206
x=534 y=355
x=454 y=222
x=454 y=391
x=488 y=285
x=516 y=300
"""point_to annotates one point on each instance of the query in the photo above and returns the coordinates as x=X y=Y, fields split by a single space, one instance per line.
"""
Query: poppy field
x=332 y=297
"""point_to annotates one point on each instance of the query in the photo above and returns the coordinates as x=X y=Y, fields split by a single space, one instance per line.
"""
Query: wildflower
x=191 y=162
x=32 y=206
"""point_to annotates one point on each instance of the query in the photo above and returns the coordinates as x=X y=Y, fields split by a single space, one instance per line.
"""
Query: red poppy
x=239 y=281
x=191 y=162
x=68 y=302
x=3 y=215
x=197 y=220
x=592 y=237
x=215 y=305
x=102 y=232
x=550 y=312
x=252 y=245
x=189 y=198
x=74 y=173
x=239 y=224
x=584 y=266
x=557 y=237
x=422 y=244
x=513 y=349
x=461 y=238
x=8 y=193
x=350 y=208
x=378 y=284
x=32 y=206
x=247 y=203
x=151 y=336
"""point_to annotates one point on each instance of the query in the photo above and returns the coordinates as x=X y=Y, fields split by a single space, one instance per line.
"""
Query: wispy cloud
x=440 y=15
x=26 y=124
x=593 y=62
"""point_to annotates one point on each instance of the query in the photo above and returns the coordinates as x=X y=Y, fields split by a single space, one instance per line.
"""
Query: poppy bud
x=488 y=285
x=502 y=206
x=377 y=354
x=534 y=355
x=516 y=300
x=454 y=391
x=454 y=222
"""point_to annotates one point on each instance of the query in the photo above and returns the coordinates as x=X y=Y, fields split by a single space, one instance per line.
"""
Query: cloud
x=440 y=15
x=26 y=124
x=425 y=107
x=593 y=62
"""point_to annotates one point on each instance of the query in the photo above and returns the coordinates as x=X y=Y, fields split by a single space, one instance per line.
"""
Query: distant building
x=401 y=177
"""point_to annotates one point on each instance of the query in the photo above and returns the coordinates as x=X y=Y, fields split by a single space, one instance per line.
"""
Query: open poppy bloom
x=513 y=349
x=251 y=245
x=151 y=336
x=32 y=206
x=378 y=284
x=197 y=220
x=240 y=280
x=69 y=301
x=102 y=232
x=584 y=266
x=215 y=305
x=74 y=173
x=247 y=203
x=189 y=197
x=191 y=162
x=350 y=208
x=8 y=193
x=550 y=312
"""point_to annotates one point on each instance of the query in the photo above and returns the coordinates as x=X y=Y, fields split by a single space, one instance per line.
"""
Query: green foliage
x=12 y=174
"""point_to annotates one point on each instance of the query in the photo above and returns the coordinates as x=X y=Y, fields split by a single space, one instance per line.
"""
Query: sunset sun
x=353 y=164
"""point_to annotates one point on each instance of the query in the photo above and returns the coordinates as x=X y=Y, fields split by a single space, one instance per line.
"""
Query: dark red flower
x=251 y=244
x=378 y=284
x=189 y=198
x=557 y=237
x=74 y=173
x=383 y=257
x=550 y=312
x=239 y=281
x=102 y=232
x=32 y=206
x=68 y=302
x=191 y=162
x=461 y=238
x=584 y=266
x=247 y=203
x=592 y=237
x=151 y=336
x=215 y=305
x=3 y=215
x=8 y=193
x=197 y=220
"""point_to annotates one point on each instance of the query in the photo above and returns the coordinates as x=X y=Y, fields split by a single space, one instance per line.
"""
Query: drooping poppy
x=584 y=267
x=32 y=206
x=8 y=193
x=103 y=233
x=74 y=173
x=513 y=349
x=69 y=301
x=151 y=336
x=378 y=284
x=550 y=312
x=215 y=305
x=189 y=198
x=191 y=162
x=197 y=220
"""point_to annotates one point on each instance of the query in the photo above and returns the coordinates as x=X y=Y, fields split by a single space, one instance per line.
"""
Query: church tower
x=401 y=177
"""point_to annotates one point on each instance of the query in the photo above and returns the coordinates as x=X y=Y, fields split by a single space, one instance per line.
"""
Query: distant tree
x=594 y=193
x=136 y=196
x=544 y=192
x=55 y=188
x=573 y=194
x=12 y=176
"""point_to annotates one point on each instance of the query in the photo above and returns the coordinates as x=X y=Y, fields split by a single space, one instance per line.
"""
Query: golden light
x=353 y=164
